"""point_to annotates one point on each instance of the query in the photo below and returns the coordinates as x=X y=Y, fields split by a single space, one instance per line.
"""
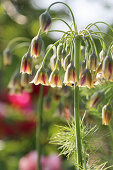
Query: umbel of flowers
x=72 y=67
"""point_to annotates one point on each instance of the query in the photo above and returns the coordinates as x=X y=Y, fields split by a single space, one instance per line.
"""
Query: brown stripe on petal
x=47 y=25
x=110 y=68
x=83 y=80
x=43 y=78
x=56 y=80
x=95 y=101
x=25 y=65
x=36 y=48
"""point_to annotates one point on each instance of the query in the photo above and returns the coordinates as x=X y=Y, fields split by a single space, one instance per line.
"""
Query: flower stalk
x=77 y=45
x=38 y=128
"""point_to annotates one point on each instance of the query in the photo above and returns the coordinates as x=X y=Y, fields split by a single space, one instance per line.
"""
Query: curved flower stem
x=38 y=128
x=23 y=44
x=63 y=22
x=75 y=28
x=13 y=41
x=76 y=103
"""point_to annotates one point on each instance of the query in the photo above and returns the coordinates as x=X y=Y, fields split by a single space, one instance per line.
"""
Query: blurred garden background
x=19 y=112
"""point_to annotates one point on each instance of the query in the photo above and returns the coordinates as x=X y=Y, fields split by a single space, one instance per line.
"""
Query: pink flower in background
x=20 y=100
x=29 y=162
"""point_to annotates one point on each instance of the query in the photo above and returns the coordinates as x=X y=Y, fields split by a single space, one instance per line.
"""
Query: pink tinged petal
x=83 y=80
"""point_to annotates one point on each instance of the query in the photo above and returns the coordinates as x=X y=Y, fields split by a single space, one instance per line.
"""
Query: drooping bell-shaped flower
x=67 y=61
x=45 y=21
x=107 y=67
x=63 y=57
x=93 y=62
x=36 y=46
x=15 y=83
x=59 y=50
x=25 y=80
x=41 y=77
x=85 y=79
x=55 y=79
x=106 y=114
x=70 y=75
x=7 y=57
x=53 y=62
x=96 y=98
x=26 y=64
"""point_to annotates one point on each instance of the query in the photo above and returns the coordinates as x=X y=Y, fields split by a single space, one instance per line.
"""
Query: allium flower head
x=86 y=79
x=70 y=75
x=45 y=21
x=93 y=61
x=7 y=57
x=107 y=68
x=41 y=77
x=106 y=114
x=96 y=98
x=55 y=79
x=36 y=46
x=26 y=64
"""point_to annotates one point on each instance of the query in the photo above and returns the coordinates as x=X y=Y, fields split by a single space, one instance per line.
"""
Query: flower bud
x=14 y=84
x=70 y=75
x=59 y=50
x=93 y=61
x=7 y=57
x=107 y=67
x=106 y=114
x=41 y=77
x=86 y=79
x=96 y=98
x=36 y=46
x=45 y=21
x=25 y=80
x=54 y=79
x=26 y=64
x=67 y=61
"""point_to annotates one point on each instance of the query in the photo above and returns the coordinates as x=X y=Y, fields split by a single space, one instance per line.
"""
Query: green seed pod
x=93 y=62
x=45 y=21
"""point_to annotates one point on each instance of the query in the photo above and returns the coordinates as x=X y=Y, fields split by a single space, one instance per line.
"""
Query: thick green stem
x=76 y=104
x=39 y=126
